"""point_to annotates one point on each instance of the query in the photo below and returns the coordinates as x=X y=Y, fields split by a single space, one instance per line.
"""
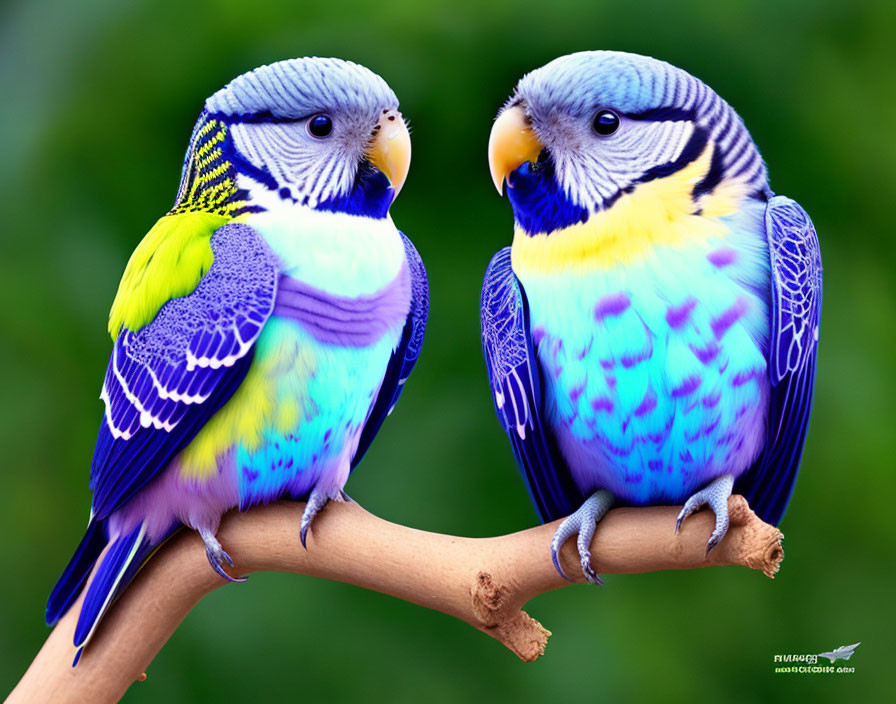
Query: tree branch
x=483 y=581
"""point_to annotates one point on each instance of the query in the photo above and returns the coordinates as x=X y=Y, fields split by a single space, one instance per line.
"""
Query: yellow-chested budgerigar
x=651 y=334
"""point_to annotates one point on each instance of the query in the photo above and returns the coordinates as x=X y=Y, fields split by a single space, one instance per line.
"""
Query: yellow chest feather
x=657 y=213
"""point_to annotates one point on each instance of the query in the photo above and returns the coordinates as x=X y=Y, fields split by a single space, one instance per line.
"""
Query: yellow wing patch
x=659 y=212
x=168 y=263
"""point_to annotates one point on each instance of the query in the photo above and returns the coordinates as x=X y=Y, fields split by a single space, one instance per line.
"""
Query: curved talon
x=716 y=538
x=715 y=494
x=560 y=537
x=316 y=501
x=558 y=567
x=582 y=522
x=583 y=542
x=216 y=566
x=216 y=555
x=304 y=526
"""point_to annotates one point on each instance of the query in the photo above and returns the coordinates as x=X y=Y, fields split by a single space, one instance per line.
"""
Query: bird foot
x=217 y=557
x=715 y=494
x=582 y=522
x=316 y=501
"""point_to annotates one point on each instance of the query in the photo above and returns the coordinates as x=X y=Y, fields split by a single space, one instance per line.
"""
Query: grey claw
x=715 y=494
x=555 y=553
x=216 y=566
x=592 y=576
x=316 y=501
x=581 y=523
x=720 y=530
x=583 y=542
x=691 y=505
x=216 y=555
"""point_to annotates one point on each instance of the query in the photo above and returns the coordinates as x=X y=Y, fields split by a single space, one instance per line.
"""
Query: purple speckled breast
x=343 y=320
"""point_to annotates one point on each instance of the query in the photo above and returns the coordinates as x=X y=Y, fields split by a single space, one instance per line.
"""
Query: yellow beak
x=512 y=143
x=390 y=150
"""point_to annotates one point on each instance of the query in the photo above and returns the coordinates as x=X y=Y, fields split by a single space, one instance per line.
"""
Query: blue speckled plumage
x=665 y=340
x=650 y=389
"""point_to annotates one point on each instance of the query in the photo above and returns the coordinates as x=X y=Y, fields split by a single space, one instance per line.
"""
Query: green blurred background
x=98 y=99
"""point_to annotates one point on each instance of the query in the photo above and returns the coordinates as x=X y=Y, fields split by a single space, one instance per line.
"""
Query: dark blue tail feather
x=75 y=575
x=119 y=566
x=125 y=558
x=106 y=582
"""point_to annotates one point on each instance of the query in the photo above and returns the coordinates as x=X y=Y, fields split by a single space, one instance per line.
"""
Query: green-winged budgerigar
x=651 y=334
x=263 y=328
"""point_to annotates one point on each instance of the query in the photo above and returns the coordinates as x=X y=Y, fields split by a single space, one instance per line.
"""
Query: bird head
x=319 y=132
x=589 y=128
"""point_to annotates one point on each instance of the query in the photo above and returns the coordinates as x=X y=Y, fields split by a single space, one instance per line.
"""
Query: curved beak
x=390 y=148
x=512 y=143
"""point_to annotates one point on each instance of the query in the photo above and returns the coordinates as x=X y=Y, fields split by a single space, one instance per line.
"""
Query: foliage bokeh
x=98 y=99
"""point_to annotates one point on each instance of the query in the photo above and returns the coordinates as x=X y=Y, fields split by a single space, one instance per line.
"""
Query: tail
x=75 y=575
x=125 y=557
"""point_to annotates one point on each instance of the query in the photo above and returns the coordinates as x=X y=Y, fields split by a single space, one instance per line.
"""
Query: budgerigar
x=651 y=334
x=263 y=329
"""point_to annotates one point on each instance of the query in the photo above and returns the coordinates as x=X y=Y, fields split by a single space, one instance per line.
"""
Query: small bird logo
x=844 y=652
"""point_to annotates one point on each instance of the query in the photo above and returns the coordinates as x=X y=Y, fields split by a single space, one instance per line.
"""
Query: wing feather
x=167 y=379
x=795 y=318
x=515 y=378
x=403 y=359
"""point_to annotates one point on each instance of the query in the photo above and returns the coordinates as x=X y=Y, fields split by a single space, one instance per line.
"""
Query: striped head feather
x=588 y=129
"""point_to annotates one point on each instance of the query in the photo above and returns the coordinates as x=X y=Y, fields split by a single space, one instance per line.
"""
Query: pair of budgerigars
x=650 y=336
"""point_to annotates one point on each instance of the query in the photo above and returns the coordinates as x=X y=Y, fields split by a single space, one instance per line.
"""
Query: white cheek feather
x=593 y=177
x=672 y=139
x=681 y=135
x=313 y=172
x=259 y=194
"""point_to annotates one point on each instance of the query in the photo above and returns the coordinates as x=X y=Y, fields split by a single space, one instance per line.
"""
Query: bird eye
x=320 y=126
x=606 y=122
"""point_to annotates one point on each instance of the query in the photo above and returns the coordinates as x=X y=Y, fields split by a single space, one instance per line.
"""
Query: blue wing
x=405 y=355
x=795 y=318
x=515 y=378
x=165 y=380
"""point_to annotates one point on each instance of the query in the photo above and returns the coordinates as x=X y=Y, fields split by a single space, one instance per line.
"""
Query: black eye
x=606 y=122
x=320 y=126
